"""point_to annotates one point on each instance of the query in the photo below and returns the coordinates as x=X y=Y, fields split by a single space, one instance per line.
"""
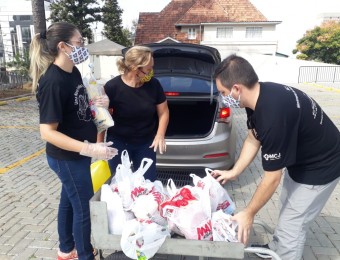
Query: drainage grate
x=181 y=178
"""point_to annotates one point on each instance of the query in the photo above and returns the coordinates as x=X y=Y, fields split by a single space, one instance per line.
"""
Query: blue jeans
x=137 y=152
x=74 y=225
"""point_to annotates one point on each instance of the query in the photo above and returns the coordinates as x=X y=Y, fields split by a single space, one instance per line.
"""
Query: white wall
x=105 y=67
x=276 y=69
x=267 y=44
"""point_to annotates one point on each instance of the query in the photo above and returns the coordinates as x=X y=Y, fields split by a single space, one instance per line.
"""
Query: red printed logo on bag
x=223 y=205
x=205 y=231
x=137 y=191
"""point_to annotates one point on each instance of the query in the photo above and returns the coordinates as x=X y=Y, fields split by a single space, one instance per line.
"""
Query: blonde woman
x=139 y=110
x=69 y=131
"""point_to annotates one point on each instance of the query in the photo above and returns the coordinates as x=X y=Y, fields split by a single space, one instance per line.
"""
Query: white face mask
x=229 y=101
x=78 y=54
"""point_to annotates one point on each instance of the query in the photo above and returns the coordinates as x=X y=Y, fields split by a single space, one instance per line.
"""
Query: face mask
x=78 y=54
x=147 y=77
x=229 y=101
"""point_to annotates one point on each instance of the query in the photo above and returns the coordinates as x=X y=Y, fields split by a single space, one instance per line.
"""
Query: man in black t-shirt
x=293 y=133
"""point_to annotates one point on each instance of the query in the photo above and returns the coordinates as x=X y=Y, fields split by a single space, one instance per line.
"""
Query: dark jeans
x=137 y=152
x=74 y=225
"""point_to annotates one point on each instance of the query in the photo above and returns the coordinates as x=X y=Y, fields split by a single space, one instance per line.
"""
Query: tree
x=78 y=12
x=39 y=19
x=112 y=20
x=320 y=44
x=20 y=62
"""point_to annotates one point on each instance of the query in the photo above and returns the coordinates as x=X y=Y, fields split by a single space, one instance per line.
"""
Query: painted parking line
x=18 y=127
x=331 y=89
x=22 y=161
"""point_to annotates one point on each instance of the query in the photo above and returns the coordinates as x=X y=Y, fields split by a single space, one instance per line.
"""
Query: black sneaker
x=262 y=255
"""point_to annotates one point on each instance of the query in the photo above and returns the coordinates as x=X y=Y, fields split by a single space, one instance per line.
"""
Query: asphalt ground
x=29 y=190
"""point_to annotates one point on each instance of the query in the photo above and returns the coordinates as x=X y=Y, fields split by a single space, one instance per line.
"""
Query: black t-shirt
x=134 y=109
x=295 y=133
x=63 y=99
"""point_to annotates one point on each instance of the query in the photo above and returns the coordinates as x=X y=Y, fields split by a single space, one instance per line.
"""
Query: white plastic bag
x=223 y=228
x=190 y=211
x=101 y=115
x=115 y=212
x=219 y=197
x=142 y=238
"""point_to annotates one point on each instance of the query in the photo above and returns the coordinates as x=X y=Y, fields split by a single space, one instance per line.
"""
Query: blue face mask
x=229 y=101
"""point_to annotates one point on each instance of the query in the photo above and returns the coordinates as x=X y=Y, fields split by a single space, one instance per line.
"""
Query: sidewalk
x=29 y=190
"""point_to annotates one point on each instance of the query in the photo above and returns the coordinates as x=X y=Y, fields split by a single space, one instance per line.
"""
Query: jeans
x=137 y=152
x=74 y=225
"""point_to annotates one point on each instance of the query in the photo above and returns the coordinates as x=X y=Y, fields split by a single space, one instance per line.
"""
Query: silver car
x=201 y=132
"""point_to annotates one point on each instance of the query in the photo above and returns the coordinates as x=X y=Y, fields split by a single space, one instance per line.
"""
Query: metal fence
x=319 y=74
x=12 y=79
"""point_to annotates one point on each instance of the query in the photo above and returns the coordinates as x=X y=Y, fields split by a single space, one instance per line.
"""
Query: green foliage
x=20 y=63
x=112 y=20
x=78 y=12
x=321 y=44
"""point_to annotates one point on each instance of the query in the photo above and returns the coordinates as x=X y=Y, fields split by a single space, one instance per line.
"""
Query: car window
x=186 y=84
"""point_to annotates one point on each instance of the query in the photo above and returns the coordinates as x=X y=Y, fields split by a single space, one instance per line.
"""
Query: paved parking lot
x=29 y=190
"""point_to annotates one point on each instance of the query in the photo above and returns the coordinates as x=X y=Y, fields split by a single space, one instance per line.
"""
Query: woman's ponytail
x=40 y=59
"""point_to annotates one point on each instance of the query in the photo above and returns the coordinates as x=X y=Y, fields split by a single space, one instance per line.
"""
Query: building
x=228 y=25
x=16 y=27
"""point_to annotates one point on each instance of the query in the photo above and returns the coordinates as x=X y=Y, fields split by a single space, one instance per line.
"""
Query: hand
x=245 y=223
x=159 y=142
x=223 y=176
x=101 y=101
x=101 y=151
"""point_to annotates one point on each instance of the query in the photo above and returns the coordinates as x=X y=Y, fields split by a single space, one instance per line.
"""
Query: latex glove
x=159 y=142
x=101 y=101
x=100 y=151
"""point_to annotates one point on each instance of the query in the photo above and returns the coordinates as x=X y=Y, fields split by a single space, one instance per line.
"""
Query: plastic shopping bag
x=100 y=173
x=101 y=115
x=219 y=197
x=115 y=212
x=189 y=210
x=142 y=239
x=223 y=228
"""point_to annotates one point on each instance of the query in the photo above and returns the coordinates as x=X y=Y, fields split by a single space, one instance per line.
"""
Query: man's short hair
x=236 y=70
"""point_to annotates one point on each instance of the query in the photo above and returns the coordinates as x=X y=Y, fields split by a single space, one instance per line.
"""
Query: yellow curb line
x=323 y=87
x=2 y=103
x=22 y=161
x=18 y=127
x=22 y=99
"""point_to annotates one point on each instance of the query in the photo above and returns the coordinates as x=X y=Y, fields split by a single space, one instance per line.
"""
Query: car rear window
x=186 y=85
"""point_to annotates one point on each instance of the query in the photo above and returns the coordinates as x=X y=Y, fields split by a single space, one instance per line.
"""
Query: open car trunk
x=190 y=118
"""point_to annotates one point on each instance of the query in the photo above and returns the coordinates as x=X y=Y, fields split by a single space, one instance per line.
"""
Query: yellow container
x=100 y=173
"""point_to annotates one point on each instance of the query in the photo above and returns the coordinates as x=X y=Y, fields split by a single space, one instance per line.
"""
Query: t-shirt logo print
x=274 y=156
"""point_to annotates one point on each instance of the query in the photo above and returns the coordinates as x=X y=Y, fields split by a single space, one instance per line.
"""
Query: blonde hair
x=135 y=57
x=44 y=49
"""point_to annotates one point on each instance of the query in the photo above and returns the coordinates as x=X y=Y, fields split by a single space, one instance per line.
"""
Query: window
x=224 y=32
x=25 y=17
x=26 y=34
x=191 y=33
x=253 y=32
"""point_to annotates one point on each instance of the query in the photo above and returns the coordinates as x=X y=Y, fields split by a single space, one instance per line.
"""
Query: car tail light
x=172 y=94
x=224 y=115
x=215 y=155
x=225 y=112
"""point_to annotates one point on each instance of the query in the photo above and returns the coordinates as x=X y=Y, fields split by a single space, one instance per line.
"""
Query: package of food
x=101 y=115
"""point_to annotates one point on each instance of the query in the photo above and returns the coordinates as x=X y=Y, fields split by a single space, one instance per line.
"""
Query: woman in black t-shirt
x=67 y=126
x=139 y=110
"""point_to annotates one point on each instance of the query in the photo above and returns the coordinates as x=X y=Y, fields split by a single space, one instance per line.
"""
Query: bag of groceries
x=101 y=115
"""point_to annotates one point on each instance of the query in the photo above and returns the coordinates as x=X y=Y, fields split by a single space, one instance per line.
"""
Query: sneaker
x=72 y=255
x=67 y=256
x=262 y=255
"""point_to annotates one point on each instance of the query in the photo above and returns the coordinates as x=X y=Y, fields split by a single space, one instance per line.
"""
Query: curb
x=17 y=98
